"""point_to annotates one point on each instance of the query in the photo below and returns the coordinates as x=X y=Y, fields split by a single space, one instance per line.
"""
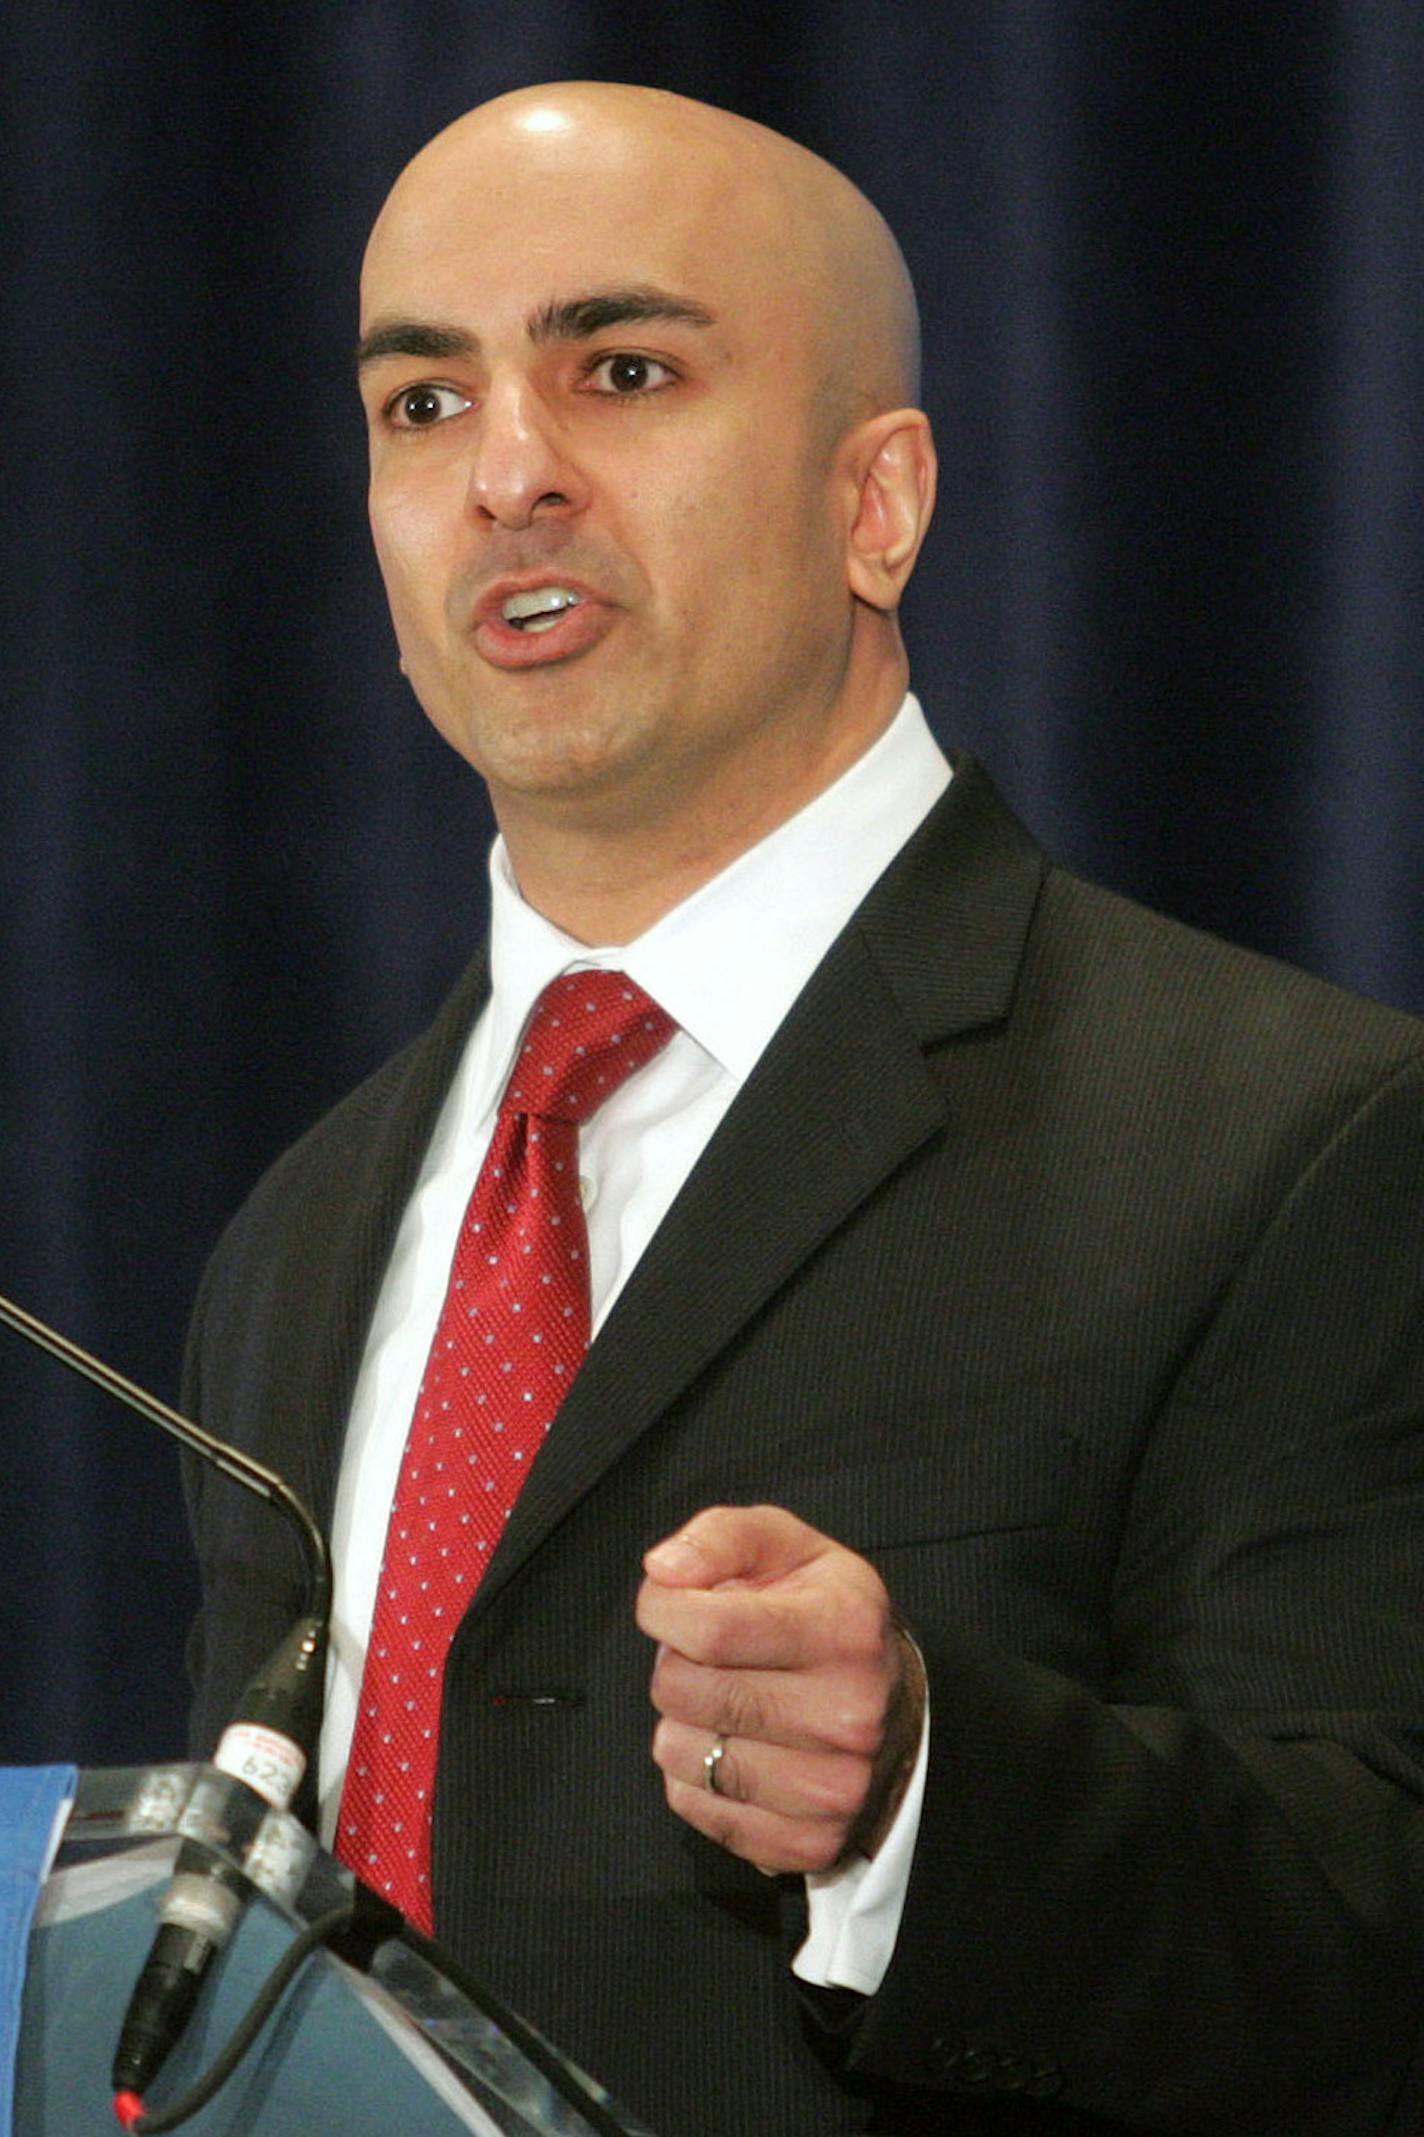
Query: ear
x=891 y=462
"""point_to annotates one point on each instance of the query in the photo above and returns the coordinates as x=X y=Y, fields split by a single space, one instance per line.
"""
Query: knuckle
x=857 y=1718
x=808 y=1848
x=859 y=1730
x=744 y=1708
x=661 y=1746
x=717 y=1647
x=864 y=1626
x=704 y=1526
x=662 y=1685
x=778 y=1521
x=838 y=1788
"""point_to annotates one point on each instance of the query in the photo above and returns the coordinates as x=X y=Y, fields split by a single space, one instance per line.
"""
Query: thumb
x=750 y=1545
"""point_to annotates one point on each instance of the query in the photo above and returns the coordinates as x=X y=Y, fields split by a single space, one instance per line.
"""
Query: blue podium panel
x=335 y=2057
x=399 y=2048
x=34 y=1802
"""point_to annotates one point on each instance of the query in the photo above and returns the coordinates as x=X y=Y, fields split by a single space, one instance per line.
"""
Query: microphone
x=268 y=1743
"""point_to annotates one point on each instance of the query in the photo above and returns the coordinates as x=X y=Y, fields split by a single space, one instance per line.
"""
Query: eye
x=624 y=373
x=420 y=407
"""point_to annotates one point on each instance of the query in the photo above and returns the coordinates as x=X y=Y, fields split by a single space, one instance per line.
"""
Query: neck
x=607 y=875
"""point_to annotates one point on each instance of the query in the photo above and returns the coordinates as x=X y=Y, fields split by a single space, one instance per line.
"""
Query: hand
x=783 y=1643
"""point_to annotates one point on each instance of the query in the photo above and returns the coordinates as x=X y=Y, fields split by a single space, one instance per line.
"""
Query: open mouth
x=538 y=627
x=540 y=609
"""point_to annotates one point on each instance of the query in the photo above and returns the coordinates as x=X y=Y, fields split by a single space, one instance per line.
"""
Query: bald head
x=646 y=485
x=788 y=227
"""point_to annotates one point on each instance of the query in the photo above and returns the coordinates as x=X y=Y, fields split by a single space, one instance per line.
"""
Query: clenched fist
x=780 y=1645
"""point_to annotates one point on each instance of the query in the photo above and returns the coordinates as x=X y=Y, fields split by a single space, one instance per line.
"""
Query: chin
x=558 y=755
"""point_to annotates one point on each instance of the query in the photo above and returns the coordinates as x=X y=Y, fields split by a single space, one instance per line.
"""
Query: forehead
x=488 y=238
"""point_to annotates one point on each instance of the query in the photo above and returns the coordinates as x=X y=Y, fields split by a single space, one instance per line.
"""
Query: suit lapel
x=841 y=1097
x=348 y=1242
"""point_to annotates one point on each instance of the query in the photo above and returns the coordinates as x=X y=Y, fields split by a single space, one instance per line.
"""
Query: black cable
x=328 y=1929
x=319 y=1932
x=545 y=2058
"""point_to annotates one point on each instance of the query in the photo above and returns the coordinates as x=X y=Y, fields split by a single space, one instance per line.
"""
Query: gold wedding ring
x=711 y=1760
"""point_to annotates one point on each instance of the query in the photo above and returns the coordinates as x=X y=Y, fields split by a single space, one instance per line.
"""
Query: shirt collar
x=727 y=963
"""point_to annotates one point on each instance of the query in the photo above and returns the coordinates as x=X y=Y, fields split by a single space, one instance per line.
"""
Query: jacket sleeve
x=1195 y=1903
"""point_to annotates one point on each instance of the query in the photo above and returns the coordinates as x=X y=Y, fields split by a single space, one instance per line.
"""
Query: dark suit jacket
x=1066 y=1263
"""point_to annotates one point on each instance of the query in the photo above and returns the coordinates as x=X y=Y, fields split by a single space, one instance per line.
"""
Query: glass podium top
x=408 y=2040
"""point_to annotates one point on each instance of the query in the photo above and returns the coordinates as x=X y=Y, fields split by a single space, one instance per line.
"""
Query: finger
x=739 y=1628
x=767 y=1840
x=799 y=1710
x=822 y=1788
x=832 y=1608
x=741 y=1543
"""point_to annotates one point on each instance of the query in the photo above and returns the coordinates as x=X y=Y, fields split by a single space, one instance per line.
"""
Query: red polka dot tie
x=512 y=1335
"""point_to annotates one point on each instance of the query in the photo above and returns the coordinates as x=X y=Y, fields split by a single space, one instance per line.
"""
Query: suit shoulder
x=368 y=1141
x=1205 y=999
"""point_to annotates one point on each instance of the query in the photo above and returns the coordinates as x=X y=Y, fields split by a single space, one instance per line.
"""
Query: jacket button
x=1045 y=2082
x=977 y=2066
x=1013 y=2074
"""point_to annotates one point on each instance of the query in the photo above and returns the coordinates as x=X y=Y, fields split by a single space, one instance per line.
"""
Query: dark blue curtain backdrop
x=1172 y=266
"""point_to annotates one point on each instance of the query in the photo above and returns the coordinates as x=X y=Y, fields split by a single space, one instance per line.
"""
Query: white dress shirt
x=726 y=965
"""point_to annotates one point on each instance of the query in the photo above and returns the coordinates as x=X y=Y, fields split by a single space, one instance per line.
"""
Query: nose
x=520 y=465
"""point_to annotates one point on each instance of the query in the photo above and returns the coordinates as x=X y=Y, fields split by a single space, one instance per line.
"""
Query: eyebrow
x=575 y=318
x=562 y=319
x=412 y=337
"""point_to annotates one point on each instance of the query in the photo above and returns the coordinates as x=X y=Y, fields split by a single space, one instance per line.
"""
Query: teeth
x=540 y=609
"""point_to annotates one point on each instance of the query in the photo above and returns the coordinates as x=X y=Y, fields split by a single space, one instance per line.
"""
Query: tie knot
x=589 y=1032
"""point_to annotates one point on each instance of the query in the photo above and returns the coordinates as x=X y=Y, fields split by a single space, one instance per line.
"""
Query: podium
x=404 y=2045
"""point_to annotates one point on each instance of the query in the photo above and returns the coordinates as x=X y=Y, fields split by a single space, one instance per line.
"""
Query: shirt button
x=587 y=1191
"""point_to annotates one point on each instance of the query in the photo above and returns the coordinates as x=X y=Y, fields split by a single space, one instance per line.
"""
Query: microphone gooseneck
x=268 y=1744
x=253 y=1475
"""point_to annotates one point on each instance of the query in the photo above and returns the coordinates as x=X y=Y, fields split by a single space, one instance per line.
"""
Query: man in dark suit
x=1008 y=1361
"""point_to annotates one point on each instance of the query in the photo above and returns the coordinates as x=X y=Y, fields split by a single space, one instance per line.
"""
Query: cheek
x=407 y=544
x=708 y=546
x=413 y=511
